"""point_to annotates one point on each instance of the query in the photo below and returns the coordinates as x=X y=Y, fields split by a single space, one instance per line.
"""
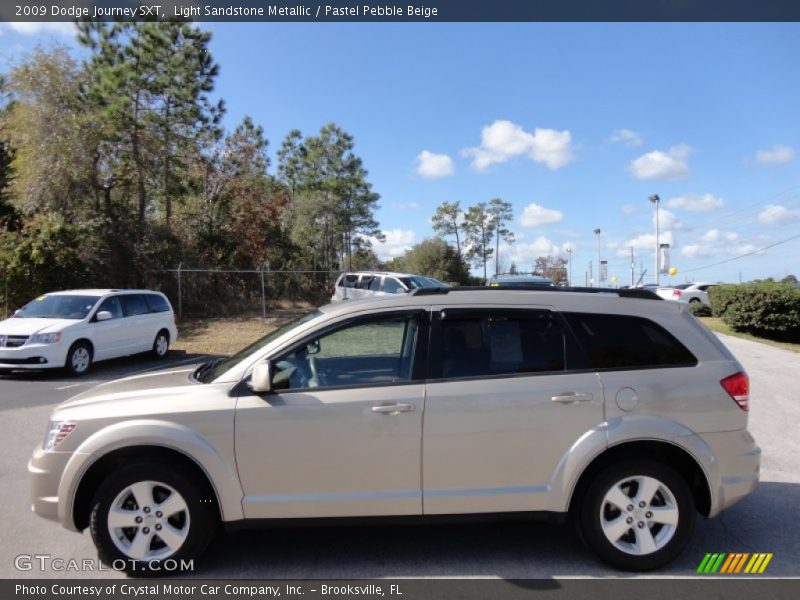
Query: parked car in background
x=520 y=281
x=363 y=284
x=687 y=292
x=75 y=328
x=618 y=409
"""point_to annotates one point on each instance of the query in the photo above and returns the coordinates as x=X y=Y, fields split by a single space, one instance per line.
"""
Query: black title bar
x=406 y=10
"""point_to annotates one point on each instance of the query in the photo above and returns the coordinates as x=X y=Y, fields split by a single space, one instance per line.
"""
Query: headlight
x=45 y=338
x=57 y=432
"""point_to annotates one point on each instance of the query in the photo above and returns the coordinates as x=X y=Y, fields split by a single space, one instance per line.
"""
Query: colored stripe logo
x=733 y=563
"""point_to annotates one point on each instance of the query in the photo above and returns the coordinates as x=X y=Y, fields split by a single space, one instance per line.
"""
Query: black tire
x=590 y=517
x=79 y=359
x=695 y=301
x=161 y=344
x=198 y=521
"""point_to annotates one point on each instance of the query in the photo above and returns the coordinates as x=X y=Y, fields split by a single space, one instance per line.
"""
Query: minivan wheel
x=79 y=358
x=147 y=518
x=637 y=515
x=161 y=344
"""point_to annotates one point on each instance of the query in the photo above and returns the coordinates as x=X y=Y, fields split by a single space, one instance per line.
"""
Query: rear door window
x=614 y=342
x=483 y=343
x=375 y=284
x=134 y=304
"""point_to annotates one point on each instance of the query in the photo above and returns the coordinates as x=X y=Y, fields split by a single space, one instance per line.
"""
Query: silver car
x=366 y=284
x=619 y=409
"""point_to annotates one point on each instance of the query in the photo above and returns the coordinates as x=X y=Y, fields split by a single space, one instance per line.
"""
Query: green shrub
x=699 y=309
x=770 y=310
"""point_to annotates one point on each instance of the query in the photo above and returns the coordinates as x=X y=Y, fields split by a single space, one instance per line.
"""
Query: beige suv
x=615 y=407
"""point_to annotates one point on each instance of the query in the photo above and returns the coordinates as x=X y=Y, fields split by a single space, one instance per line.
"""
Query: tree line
x=116 y=166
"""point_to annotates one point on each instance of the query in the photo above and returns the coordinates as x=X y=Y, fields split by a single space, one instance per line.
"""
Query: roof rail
x=622 y=293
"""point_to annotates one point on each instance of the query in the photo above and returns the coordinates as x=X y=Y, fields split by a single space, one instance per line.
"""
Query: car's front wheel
x=79 y=358
x=146 y=514
x=637 y=515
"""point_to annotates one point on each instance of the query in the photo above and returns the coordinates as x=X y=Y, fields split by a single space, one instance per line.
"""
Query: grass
x=719 y=326
x=228 y=335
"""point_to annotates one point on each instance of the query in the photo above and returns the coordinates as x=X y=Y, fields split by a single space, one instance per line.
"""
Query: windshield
x=412 y=283
x=212 y=369
x=59 y=306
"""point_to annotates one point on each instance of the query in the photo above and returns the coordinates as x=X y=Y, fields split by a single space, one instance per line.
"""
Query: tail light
x=676 y=293
x=738 y=388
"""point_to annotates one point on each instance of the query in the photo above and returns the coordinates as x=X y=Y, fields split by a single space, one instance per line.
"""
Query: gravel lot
x=764 y=522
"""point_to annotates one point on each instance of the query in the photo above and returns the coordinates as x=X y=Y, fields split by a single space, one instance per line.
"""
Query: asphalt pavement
x=766 y=521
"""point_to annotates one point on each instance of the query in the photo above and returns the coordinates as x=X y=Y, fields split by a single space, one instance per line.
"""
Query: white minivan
x=73 y=329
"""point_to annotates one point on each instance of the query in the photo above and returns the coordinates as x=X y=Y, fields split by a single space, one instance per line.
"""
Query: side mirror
x=261 y=379
x=104 y=315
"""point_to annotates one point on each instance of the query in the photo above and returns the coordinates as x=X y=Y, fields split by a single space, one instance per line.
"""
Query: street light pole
x=655 y=199
x=599 y=270
x=569 y=263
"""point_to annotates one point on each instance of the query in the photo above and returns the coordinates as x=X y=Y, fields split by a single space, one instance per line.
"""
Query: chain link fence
x=229 y=292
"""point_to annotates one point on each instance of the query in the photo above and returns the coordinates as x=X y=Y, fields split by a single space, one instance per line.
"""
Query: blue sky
x=574 y=124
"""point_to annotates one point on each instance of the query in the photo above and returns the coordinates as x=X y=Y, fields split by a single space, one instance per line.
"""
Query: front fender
x=151 y=432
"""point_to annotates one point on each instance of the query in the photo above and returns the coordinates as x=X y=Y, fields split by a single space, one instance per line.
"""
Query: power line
x=722 y=262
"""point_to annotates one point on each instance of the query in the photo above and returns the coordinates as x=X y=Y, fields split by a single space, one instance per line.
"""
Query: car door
x=502 y=409
x=136 y=323
x=340 y=435
x=109 y=337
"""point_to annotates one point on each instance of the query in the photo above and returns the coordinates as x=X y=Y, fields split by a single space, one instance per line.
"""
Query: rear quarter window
x=627 y=342
x=157 y=303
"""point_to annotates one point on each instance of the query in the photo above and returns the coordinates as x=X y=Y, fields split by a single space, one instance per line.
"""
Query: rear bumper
x=735 y=470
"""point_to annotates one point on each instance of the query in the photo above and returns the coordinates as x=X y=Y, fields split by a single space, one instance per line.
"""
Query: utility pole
x=655 y=200
x=633 y=266
x=569 y=262
x=591 y=275
x=597 y=233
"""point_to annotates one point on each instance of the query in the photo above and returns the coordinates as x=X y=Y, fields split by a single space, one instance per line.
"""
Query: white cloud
x=715 y=235
x=775 y=214
x=525 y=255
x=432 y=166
x=503 y=140
x=696 y=202
x=535 y=216
x=647 y=241
x=630 y=138
x=628 y=208
x=662 y=165
x=698 y=250
x=398 y=241
x=667 y=220
x=406 y=206
x=777 y=155
x=39 y=27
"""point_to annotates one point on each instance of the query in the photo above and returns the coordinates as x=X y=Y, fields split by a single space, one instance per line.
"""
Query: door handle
x=392 y=409
x=570 y=397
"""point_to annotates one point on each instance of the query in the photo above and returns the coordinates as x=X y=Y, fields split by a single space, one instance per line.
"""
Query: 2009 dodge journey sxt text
x=618 y=408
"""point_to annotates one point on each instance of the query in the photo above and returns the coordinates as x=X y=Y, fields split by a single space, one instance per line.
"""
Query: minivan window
x=364 y=283
x=350 y=281
x=58 y=306
x=375 y=284
x=482 y=344
x=134 y=304
x=157 y=303
x=624 y=342
x=392 y=286
x=113 y=306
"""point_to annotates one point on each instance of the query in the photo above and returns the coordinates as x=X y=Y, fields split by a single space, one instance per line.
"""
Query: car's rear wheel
x=161 y=344
x=146 y=514
x=695 y=301
x=637 y=515
x=79 y=358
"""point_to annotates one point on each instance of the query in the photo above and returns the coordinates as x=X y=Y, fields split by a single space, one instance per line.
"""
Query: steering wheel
x=299 y=377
